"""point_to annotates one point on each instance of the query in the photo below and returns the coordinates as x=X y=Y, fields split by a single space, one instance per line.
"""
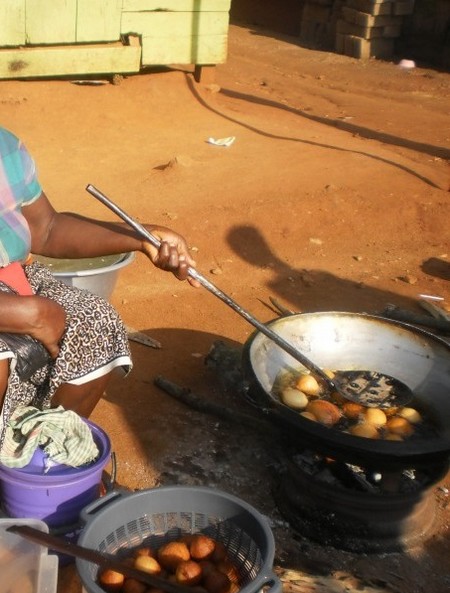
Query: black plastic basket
x=121 y=522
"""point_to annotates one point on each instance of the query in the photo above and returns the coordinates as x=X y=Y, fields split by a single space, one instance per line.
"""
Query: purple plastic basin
x=58 y=496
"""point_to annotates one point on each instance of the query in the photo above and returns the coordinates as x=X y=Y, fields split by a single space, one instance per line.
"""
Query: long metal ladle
x=368 y=388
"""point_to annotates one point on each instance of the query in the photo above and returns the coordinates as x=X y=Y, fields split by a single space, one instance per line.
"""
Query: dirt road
x=333 y=196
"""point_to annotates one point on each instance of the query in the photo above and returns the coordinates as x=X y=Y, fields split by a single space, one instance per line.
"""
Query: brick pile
x=318 y=24
x=369 y=28
x=356 y=28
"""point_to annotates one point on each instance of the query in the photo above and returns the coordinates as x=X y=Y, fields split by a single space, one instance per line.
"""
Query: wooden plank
x=170 y=25
x=177 y=5
x=12 y=22
x=296 y=581
x=98 y=20
x=50 y=21
x=33 y=62
x=187 y=49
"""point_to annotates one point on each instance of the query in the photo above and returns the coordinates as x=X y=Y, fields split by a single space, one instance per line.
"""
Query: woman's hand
x=49 y=325
x=173 y=254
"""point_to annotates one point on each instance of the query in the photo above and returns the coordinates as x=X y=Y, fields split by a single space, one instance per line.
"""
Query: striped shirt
x=19 y=187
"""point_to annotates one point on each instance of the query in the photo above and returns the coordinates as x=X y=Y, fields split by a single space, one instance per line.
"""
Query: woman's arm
x=36 y=316
x=66 y=234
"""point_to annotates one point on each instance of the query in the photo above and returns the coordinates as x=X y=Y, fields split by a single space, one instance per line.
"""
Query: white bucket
x=97 y=274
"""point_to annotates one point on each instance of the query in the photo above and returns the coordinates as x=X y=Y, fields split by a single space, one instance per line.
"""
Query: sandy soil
x=334 y=196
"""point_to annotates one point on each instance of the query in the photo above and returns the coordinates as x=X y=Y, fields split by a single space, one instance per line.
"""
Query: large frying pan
x=351 y=340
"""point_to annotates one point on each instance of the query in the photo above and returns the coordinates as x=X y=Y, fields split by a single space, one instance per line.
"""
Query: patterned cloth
x=19 y=187
x=62 y=434
x=94 y=343
x=95 y=340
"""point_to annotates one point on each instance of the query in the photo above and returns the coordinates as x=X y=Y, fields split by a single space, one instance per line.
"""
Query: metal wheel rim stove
x=387 y=518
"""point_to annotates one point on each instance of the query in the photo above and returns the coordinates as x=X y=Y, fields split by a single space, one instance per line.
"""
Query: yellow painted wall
x=170 y=32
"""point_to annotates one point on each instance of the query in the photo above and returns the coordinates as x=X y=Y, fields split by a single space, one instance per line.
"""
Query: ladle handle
x=193 y=273
x=105 y=561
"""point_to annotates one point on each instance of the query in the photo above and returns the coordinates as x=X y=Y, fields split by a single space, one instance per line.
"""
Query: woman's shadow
x=310 y=290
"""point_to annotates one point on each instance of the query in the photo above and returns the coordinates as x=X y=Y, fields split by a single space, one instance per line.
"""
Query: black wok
x=351 y=340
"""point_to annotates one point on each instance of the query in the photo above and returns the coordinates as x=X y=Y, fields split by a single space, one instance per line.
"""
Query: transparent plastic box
x=25 y=567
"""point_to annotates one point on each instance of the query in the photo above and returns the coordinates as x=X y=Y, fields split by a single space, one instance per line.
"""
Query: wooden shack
x=42 y=38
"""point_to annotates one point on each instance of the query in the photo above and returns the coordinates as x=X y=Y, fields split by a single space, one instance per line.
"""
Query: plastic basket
x=121 y=522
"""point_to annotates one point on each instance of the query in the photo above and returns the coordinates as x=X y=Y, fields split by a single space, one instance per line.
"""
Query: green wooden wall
x=45 y=22
x=37 y=37
x=183 y=37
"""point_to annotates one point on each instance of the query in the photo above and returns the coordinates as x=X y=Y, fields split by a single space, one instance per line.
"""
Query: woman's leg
x=95 y=340
x=4 y=374
x=81 y=399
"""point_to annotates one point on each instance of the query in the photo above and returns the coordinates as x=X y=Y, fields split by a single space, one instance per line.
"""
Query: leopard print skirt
x=94 y=343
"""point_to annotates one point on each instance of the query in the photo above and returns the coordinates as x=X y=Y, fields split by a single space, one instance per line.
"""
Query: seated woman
x=84 y=336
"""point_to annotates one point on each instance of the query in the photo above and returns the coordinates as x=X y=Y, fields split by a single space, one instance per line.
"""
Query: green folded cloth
x=62 y=434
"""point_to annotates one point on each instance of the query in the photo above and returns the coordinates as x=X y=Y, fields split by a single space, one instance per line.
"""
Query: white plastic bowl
x=98 y=274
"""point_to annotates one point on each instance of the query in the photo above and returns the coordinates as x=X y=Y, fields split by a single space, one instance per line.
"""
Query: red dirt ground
x=334 y=196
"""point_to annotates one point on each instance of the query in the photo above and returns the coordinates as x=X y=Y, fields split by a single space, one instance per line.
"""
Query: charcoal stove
x=354 y=493
x=357 y=509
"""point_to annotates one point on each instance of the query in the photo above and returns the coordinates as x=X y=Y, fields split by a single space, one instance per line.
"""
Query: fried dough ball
x=188 y=573
x=207 y=566
x=308 y=384
x=309 y=416
x=147 y=564
x=337 y=398
x=133 y=586
x=352 y=410
x=216 y=582
x=375 y=416
x=201 y=546
x=220 y=552
x=410 y=414
x=7 y=555
x=172 y=553
x=293 y=398
x=365 y=430
x=24 y=583
x=144 y=552
x=228 y=568
x=110 y=580
x=399 y=425
x=393 y=437
x=325 y=412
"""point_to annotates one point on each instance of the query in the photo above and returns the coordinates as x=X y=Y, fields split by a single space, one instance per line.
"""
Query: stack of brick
x=369 y=28
x=318 y=24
